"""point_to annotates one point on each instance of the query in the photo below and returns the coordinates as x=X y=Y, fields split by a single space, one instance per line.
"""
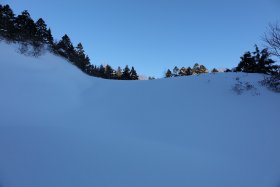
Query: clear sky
x=154 y=35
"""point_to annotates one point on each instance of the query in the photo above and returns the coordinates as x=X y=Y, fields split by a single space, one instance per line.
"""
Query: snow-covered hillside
x=62 y=128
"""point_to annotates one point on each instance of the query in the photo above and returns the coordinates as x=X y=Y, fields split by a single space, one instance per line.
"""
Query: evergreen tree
x=228 y=70
x=257 y=62
x=92 y=70
x=42 y=32
x=214 y=70
x=80 y=50
x=175 y=71
x=247 y=63
x=25 y=27
x=50 y=38
x=265 y=63
x=7 y=19
x=133 y=74
x=189 y=71
x=182 y=72
x=109 y=72
x=101 y=71
x=119 y=73
x=196 y=68
x=168 y=74
x=126 y=73
x=202 y=69
x=81 y=60
x=65 y=48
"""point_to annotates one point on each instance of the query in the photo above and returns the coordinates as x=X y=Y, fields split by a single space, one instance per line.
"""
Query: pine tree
x=50 y=38
x=189 y=71
x=168 y=74
x=126 y=73
x=42 y=31
x=7 y=19
x=214 y=70
x=257 y=62
x=265 y=63
x=175 y=71
x=109 y=72
x=25 y=27
x=228 y=70
x=101 y=71
x=182 y=72
x=80 y=57
x=86 y=64
x=247 y=63
x=119 y=73
x=196 y=68
x=133 y=74
x=65 y=48
x=202 y=69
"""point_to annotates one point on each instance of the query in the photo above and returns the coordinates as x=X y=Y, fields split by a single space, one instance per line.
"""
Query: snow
x=60 y=127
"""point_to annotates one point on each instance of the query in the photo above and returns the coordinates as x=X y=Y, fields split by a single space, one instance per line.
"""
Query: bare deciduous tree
x=272 y=39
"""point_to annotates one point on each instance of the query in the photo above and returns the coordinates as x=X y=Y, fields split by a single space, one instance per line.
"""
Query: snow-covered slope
x=62 y=128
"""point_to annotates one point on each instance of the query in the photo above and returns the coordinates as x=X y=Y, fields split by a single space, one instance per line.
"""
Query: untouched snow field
x=62 y=128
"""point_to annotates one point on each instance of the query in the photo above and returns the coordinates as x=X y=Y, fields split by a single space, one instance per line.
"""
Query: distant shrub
x=241 y=87
x=272 y=82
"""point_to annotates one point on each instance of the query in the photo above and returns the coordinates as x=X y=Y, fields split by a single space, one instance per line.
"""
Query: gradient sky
x=154 y=35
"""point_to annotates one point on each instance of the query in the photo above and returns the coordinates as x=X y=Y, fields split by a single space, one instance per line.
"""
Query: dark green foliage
x=197 y=69
x=214 y=70
x=23 y=30
x=182 y=71
x=189 y=71
x=228 y=70
x=126 y=73
x=202 y=69
x=80 y=59
x=101 y=71
x=176 y=71
x=133 y=74
x=272 y=82
x=109 y=72
x=7 y=19
x=50 y=38
x=42 y=33
x=168 y=74
x=25 y=27
x=119 y=73
x=257 y=62
x=247 y=63
x=65 y=48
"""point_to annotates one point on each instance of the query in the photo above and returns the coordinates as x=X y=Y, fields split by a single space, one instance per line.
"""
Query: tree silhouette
x=133 y=74
x=168 y=74
x=126 y=73
x=7 y=19
x=257 y=62
x=25 y=27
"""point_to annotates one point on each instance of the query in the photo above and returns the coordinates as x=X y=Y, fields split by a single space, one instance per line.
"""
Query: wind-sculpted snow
x=62 y=128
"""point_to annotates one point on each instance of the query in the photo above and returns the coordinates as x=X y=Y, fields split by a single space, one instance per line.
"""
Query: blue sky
x=154 y=35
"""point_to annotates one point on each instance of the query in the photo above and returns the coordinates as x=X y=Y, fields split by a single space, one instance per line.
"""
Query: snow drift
x=60 y=127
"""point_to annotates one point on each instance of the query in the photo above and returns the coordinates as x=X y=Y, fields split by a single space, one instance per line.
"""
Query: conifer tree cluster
x=258 y=61
x=196 y=69
x=24 y=30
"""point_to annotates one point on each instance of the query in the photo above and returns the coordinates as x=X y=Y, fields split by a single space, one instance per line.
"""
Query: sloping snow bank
x=60 y=127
